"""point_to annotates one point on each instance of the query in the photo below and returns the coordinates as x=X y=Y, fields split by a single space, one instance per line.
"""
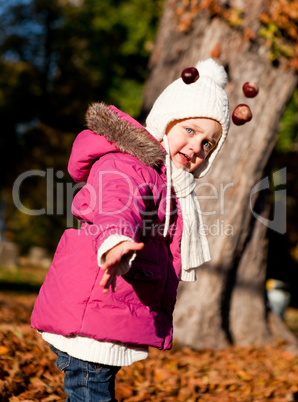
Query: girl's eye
x=207 y=145
x=189 y=130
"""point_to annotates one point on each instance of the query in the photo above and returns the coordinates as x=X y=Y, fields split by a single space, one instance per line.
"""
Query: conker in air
x=241 y=114
x=190 y=75
x=250 y=89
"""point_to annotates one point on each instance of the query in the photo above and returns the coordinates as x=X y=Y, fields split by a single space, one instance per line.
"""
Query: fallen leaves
x=3 y=350
x=28 y=371
x=233 y=374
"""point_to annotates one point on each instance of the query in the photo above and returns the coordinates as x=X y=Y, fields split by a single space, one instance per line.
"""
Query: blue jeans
x=85 y=381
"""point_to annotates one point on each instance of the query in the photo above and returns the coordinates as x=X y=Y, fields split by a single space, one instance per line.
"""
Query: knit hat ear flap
x=204 y=98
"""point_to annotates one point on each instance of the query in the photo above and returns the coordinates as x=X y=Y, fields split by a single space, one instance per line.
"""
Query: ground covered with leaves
x=28 y=372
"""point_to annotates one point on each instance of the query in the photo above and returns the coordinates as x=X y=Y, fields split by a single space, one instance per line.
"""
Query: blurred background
x=56 y=57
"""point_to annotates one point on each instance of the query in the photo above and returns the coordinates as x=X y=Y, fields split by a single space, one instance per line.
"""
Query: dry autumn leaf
x=3 y=350
x=28 y=371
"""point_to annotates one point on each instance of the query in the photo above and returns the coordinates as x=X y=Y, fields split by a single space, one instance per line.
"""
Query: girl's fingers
x=134 y=246
x=110 y=265
x=108 y=279
x=106 y=284
x=104 y=280
x=114 y=284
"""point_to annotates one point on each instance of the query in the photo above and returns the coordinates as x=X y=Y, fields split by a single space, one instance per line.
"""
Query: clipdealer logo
x=59 y=197
x=279 y=221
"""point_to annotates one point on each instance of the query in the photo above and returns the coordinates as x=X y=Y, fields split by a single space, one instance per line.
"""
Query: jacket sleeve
x=123 y=196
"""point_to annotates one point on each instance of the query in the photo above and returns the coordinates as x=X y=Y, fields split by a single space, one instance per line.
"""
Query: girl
x=111 y=289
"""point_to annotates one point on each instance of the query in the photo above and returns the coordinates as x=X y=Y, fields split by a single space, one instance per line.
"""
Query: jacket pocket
x=144 y=271
x=142 y=285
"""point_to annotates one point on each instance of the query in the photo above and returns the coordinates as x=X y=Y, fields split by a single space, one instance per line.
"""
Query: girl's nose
x=196 y=147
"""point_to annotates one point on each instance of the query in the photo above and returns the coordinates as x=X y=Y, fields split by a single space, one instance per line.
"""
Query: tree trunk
x=227 y=303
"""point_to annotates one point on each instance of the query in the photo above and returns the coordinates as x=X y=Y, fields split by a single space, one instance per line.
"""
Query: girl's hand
x=112 y=260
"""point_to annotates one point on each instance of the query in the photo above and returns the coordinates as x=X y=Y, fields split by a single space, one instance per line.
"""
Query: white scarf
x=194 y=243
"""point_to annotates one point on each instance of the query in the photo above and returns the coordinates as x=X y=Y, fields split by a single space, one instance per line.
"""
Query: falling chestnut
x=250 y=89
x=190 y=75
x=241 y=114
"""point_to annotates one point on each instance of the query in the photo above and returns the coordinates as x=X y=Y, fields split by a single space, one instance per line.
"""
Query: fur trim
x=135 y=141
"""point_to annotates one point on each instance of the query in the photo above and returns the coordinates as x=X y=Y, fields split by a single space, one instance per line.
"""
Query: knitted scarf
x=194 y=243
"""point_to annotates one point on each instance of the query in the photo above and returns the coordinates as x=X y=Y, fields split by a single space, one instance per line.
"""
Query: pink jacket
x=125 y=193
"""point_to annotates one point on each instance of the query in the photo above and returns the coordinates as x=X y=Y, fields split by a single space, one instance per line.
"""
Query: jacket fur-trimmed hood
x=125 y=133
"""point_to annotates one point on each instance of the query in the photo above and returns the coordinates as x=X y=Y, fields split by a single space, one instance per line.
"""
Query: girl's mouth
x=185 y=156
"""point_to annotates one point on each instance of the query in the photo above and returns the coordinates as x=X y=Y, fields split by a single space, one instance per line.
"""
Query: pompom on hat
x=205 y=98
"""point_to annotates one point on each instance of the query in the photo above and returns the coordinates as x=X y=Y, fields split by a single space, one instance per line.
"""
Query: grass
x=22 y=278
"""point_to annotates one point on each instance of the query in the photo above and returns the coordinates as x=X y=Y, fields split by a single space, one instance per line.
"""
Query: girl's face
x=192 y=140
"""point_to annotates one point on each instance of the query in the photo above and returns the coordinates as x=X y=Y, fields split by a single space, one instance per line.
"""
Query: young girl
x=111 y=289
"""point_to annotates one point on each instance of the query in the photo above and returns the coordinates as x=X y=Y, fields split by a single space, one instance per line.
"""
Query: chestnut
x=241 y=114
x=250 y=89
x=190 y=75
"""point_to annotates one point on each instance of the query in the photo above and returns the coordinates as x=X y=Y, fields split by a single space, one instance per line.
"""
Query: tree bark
x=227 y=303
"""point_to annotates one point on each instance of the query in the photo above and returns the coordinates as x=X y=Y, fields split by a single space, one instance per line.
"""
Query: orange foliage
x=280 y=24
x=28 y=372
x=281 y=30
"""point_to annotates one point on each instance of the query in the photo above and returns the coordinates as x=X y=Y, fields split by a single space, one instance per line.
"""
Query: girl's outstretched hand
x=112 y=260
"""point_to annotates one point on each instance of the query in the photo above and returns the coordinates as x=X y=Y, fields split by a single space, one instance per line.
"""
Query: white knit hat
x=203 y=98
